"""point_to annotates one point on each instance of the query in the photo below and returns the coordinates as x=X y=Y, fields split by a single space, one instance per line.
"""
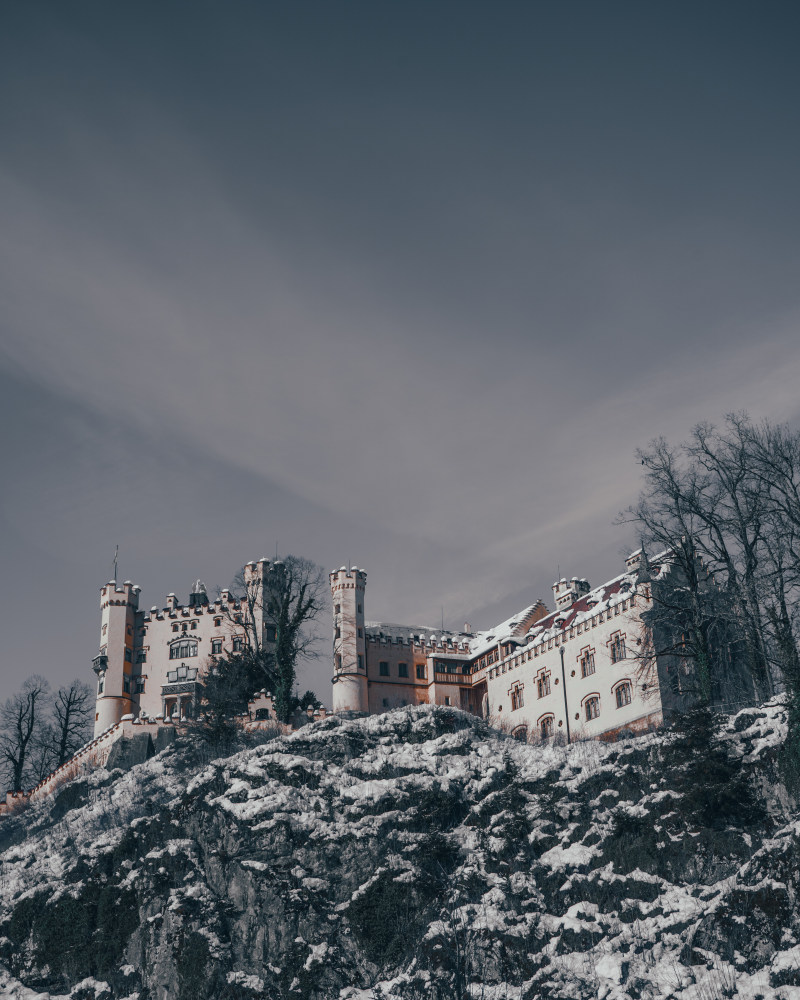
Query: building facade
x=151 y=664
x=585 y=670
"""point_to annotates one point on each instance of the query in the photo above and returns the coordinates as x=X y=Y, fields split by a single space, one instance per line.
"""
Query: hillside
x=416 y=854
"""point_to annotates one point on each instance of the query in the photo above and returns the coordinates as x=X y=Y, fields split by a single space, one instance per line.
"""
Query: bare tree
x=71 y=722
x=296 y=595
x=20 y=722
x=728 y=500
x=278 y=612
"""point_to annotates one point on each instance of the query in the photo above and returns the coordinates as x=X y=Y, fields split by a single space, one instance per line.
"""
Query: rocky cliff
x=415 y=854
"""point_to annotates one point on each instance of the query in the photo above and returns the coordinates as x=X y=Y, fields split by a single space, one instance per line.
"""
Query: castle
x=151 y=663
x=585 y=670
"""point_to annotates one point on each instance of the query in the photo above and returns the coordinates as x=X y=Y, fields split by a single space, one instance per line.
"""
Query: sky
x=399 y=284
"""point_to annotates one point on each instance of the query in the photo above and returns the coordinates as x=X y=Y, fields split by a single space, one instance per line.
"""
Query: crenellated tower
x=258 y=578
x=349 y=644
x=114 y=663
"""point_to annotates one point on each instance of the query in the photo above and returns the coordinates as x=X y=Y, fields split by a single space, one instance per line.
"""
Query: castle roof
x=599 y=599
x=413 y=633
x=511 y=630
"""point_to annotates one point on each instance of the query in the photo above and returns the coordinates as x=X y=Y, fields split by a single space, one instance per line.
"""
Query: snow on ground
x=590 y=870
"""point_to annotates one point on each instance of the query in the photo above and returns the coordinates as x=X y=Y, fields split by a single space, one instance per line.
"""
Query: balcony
x=100 y=663
x=182 y=673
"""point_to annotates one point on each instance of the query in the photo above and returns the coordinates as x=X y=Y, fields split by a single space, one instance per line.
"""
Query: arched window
x=520 y=733
x=183 y=649
x=546 y=727
x=591 y=707
x=587 y=662
x=623 y=694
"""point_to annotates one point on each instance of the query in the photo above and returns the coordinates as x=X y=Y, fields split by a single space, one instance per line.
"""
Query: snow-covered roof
x=413 y=633
x=598 y=599
x=513 y=629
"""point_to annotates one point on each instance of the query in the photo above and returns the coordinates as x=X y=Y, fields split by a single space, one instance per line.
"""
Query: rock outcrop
x=415 y=854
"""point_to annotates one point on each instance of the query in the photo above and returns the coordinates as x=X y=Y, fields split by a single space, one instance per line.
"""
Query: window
x=184 y=626
x=617 y=648
x=543 y=685
x=361 y=633
x=179 y=650
x=385 y=702
x=128 y=658
x=587 y=663
x=216 y=647
x=337 y=609
x=272 y=633
x=217 y=623
x=623 y=695
x=194 y=625
x=338 y=633
x=237 y=619
x=174 y=626
x=360 y=662
x=447 y=699
x=360 y=609
x=520 y=733
x=592 y=708
x=546 y=727
x=141 y=656
x=402 y=670
x=516 y=699
x=105 y=627
x=420 y=671
x=383 y=668
x=238 y=644
x=140 y=685
x=126 y=684
x=101 y=685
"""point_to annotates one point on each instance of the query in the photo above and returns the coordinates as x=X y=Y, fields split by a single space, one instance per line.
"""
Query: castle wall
x=612 y=624
x=582 y=671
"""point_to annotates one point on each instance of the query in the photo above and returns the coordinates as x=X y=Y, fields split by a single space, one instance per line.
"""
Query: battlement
x=348 y=578
x=113 y=593
x=261 y=570
x=566 y=592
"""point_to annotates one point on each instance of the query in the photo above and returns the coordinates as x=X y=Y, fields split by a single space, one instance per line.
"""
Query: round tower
x=114 y=663
x=349 y=644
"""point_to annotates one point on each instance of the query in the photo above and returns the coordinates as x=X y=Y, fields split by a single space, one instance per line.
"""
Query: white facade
x=151 y=663
x=578 y=672
x=583 y=671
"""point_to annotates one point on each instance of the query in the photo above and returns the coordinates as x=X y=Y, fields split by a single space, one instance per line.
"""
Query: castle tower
x=349 y=645
x=259 y=578
x=114 y=663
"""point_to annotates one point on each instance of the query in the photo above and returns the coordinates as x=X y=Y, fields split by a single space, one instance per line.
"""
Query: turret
x=258 y=577
x=349 y=644
x=566 y=592
x=114 y=663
